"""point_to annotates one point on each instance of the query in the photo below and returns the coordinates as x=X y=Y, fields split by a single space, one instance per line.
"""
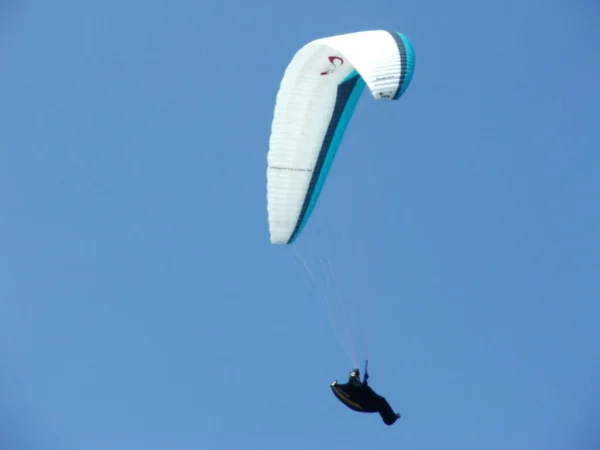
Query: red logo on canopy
x=336 y=62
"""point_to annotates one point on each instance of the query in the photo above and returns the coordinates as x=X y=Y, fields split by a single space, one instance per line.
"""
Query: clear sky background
x=143 y=307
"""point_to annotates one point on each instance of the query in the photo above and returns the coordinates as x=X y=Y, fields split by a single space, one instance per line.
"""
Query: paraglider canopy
x=318 y=93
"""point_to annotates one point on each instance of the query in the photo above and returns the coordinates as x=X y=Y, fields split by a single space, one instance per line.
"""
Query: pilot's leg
x=387 y=413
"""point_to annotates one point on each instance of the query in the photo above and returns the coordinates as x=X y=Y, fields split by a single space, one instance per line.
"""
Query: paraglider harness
x=359 y=397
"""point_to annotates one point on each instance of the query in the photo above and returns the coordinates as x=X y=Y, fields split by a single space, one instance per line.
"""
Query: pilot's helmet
x=355 y=374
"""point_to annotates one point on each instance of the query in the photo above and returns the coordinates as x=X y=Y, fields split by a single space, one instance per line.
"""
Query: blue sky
x=143 y=307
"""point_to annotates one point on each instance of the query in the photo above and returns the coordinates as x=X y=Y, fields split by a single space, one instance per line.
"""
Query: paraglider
x=359 y=396
x=315 y=102
x=317 y=96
